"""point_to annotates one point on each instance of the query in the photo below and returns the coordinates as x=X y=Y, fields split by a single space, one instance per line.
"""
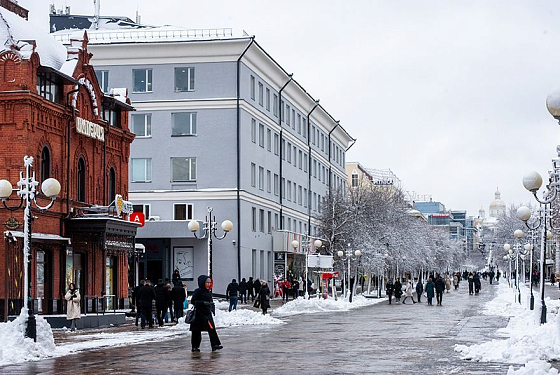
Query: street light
x=357 y=254
x=27 y=191
x=307 y=245
x=209 y=229
x=515 y=253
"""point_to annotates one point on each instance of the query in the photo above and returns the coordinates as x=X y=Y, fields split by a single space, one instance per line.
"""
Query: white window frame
x=149 y=84
x=147 y=124
x=104 y=82
x=147 y=169
x=187 y=217
x=261 y=178
x=252 y=87
x=261 y=94
x=253 y=174
x=253 y=130
x=192 y=170
x=193 y=119
x=190 y=78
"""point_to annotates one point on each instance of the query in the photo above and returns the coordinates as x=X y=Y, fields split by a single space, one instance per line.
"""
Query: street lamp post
x=27 y=191
x=209 y=229
x=307 y=245
x=357 y=254
x=515 y=253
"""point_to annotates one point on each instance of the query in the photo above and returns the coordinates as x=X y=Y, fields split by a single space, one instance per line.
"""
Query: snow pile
x=243 y=317
x=525 y=339
x=16 y=348
x=534 y=368
x=317 y=305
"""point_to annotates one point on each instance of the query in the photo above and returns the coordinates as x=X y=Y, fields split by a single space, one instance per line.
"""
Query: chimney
x=14 y=7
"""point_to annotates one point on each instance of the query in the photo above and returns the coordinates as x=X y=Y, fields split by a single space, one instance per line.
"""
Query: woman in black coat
x=204 y=308
x=264 y=295
x=398 y=290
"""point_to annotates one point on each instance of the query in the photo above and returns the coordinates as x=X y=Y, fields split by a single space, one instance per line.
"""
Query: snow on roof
x=17 y=31
x=119 y=94
x=68 y=67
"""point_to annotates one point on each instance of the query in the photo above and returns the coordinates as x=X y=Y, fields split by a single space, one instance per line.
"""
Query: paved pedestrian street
x=377 y=339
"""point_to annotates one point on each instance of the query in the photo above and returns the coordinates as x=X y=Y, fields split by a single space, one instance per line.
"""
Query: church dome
x=497 y=206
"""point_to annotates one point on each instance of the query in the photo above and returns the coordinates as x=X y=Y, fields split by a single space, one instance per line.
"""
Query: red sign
x=137 y=217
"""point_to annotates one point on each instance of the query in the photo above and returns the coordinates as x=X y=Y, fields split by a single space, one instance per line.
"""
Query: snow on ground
x=317 y=305
x=523 y=340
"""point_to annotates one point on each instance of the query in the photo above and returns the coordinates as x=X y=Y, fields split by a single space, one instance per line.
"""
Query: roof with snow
x=18 y=34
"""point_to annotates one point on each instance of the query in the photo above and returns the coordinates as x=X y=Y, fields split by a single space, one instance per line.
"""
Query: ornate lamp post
x=307 y=246
x=357 y=254
x=209 y=229
x=515 y=253
x=27 y=191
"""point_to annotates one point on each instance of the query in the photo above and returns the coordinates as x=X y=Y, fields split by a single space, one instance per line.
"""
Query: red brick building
x=52 y=108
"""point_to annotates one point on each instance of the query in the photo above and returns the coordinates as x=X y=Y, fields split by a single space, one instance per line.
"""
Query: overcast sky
x=448 y=95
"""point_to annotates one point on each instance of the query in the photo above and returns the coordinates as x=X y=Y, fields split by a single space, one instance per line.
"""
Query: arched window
x=81 y=183
x=112 y=184
x=45 y=164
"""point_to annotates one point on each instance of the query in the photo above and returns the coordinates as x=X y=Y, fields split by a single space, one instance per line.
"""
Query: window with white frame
x=275 y=105
x=304 y=128
x=268 y=181
x=289 y=192
x=142 y=124
x=268 y=139
x=253 y=174
x=261 y=94
x=103 y=79
x=141 y=170
x=182 y=211
x=289 y=153
x=293 y=119
x=269 y=222
x=184 y=79
x=141 y=80
x=300 y=195
x=261 y=178
x=299 y=123
x=261 y=135
x=183 y=169
x=305 y=162
x=276 y=184
x=144 y=208
x=254 y=219
x=276 y=143
x=300 y=159
x=261 y=221
x=184 y=123
x=267 y=99
x=253 y=130
x=287 y=115
x=252 y=87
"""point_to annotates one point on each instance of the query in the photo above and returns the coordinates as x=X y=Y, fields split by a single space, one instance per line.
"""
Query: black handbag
x=191 y=316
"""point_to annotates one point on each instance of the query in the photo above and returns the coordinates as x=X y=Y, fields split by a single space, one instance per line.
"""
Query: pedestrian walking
x=136 y=300
x=456 y=281
x=295 y=289
x=73 y=305
x=492 y=275
x=286 y=288
x=161 y=301
x=264 y=296
x=408 y=293
x=390 y=289
x=176 y=277
x=232 y=292
x=447 y=283
x=204 y=309
x=419 y=290
x=257 y=286
x=476 y=282
x=178 y=296
x=169 y=310
x=243 y=290
x=440 y=287
x=471 y=283
x=398 y=291
x=146 y=295
x=430 y=290
x=250 y=289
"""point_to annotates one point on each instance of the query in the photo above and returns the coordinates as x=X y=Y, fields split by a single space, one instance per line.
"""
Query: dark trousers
x=418 y=296
x=160 y=313
x=439 y=297
x=196 y=338
x=138 y=313
x=243 y=297
x=251 y=294
x=285 y=293
x=390 y=298
x=412 y=298
x=470 y=288
x=146 y=315
x=430 y=300
x=178 y=310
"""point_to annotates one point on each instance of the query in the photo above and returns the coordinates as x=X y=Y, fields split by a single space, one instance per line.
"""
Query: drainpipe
x=309 y=195
x=239 y=157
x=290 y=76
x=330 y=151
x=68 y=129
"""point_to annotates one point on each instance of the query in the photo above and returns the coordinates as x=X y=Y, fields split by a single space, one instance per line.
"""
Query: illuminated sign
x=123 y=206
x=90 y=129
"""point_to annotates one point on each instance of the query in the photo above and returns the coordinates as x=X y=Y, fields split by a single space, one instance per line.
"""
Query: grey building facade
x=219 y=123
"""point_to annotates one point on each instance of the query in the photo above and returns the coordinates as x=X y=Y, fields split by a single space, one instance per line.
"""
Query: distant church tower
x=497 y=207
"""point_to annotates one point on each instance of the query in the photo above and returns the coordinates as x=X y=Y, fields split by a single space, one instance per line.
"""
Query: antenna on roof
x=96 y=11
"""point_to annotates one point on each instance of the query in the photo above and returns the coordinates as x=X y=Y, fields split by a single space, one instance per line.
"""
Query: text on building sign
x=90 y=129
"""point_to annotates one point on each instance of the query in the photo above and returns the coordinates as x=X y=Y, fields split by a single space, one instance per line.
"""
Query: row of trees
x=378 y=221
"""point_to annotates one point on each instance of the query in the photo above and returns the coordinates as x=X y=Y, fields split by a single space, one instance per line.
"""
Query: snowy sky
x=449 y=95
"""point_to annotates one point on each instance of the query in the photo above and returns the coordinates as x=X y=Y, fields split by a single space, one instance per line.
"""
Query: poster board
x=183 y=260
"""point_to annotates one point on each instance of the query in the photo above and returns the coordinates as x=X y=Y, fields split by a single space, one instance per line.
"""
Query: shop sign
x=123 y=206
x=138 y=217
x=90 y=129
x=12 y=223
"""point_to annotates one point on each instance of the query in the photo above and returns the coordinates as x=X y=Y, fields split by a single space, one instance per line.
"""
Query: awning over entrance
x=40 y=237
x=114 y=234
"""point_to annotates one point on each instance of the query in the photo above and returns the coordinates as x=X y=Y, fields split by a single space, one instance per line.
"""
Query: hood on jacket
x=202 y=281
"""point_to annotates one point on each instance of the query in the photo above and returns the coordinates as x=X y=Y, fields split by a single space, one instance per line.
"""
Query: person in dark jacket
x=389 y=290
x=471 y=283
x=176 y=277
x=250 y=289
x=476 y=282
x=295 y=288
x=204 y=308
x=243 y=290
x=161 y=301
x=169 y=309
x=178 y=295
x=136 y=300
x=232 y=292
x=398 y=291
x=430 y=291
x=257 y=286
x=419 y=289
x=146 y=295
x=264 y=296
x=440 y=287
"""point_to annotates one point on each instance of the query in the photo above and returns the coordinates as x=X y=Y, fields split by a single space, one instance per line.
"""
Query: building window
x=300 y=195
x=275 y=105
x=305 y=162
x=299 y=123
x=253 y=130
x=305 y=197
x=144 y=208
x=184 y=79
x=142 y=124
x=81 y=180
x=287 y=115
x=268 y=181
x=275 y=221
x=276 y=184
x=295 y=157
x=103 y=80
x=261 y=135
x=45 y=164
x=268 y=139
x=289 y=192
x=269 y=222
x=282 y=110
x=142 y=80
x=354 y=178
x=112 y=183
x=293 y=119
x=294 y=192
x=283 y=149
x=261 y=94
x=182 y=211
x=261 y=178
x=184 y=123
x=304 y=128
x=48 y=87
x=254 y=217
x=261 y=221
x=313 y=134
x=267 y=99
x=289 y=153
x=252 y=87
x=183 y=169
x=141 y=170
x=276 y=143
x=283 y=187
x=300 y=159
x=253 y=174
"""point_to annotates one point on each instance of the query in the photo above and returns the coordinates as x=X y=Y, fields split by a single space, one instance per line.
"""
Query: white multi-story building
x=218 y=123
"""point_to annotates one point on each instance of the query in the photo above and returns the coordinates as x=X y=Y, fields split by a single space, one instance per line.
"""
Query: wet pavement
x=378 y=339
